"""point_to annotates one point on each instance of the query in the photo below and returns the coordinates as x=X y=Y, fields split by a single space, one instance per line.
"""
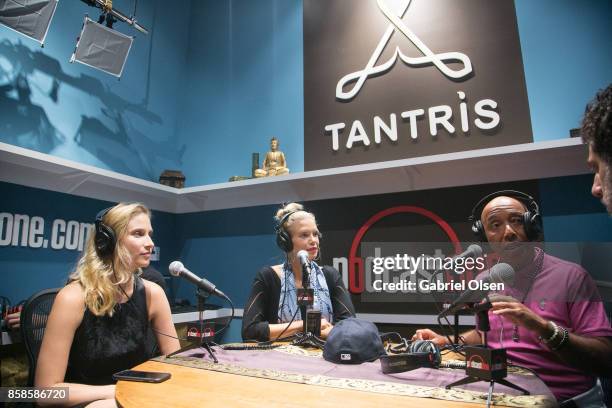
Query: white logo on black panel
x=345 y=357
x=429 y=57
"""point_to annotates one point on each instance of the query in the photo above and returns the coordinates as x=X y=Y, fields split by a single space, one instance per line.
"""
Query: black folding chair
x=33 y=320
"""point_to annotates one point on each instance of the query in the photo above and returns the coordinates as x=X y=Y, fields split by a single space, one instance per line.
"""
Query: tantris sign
x=391 y=79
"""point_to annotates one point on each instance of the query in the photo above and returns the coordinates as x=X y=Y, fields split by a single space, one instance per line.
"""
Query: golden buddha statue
x=274 y=163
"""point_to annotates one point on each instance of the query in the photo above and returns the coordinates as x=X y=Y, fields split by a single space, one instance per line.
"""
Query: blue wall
x=26 y=270
x=243 y=86
x=567 y=58
x=76 y=112
x=227 y=247
x=216 y=79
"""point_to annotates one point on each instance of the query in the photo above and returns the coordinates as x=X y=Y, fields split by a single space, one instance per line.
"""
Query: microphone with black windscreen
x=177 y=269
x=472 y=251
x=499 y=273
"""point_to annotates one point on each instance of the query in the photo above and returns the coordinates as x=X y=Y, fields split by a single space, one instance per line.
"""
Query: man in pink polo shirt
x=552 y=320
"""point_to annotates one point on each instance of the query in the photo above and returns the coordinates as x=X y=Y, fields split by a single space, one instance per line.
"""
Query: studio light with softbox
x=102 y=48
x=28 y=17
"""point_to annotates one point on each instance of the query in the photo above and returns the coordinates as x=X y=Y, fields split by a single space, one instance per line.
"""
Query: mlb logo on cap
x=353 y=341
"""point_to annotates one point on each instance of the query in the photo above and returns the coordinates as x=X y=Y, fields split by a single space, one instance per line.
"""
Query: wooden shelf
x=562 y=157
x=39 y=170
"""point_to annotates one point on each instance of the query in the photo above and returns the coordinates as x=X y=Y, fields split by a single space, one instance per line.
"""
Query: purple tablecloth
x=290 y=360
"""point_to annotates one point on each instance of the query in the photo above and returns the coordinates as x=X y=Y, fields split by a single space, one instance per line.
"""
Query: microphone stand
x=202 y=295
x=456 y=314
x=493 y=362
x=305 y=300
x=456 y=327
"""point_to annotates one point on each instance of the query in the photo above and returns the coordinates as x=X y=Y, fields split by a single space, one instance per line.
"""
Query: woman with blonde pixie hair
x=273 y=300
x=99 y=321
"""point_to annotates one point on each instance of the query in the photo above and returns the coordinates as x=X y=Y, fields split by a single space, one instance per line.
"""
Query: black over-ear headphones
x=532 y=221
x=421 y=353
x=283 y=239
x=104 y=239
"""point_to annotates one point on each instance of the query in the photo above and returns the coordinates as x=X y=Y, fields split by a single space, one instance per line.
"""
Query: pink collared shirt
x=564 y=293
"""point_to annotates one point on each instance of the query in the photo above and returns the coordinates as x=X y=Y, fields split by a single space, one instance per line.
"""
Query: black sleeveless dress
x=105 y=345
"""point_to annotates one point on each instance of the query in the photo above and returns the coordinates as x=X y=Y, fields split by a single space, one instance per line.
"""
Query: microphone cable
x=263 y=345
x=451 y=344
x=231 y=317
x=457 y=348
x=268 y=344
x=138 y=310
x=279 y=337
x=129 y=301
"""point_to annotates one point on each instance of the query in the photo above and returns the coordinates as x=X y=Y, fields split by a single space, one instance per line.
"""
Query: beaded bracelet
x=564 y=339
x=554 y=335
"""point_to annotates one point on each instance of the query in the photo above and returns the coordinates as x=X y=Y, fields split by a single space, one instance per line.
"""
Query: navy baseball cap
x=353 y=341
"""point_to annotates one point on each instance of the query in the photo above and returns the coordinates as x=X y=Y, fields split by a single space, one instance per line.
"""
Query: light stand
x=484 y=363
x=202 y=295
x=118 y=15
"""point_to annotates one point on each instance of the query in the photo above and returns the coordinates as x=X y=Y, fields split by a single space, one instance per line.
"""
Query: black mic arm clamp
x=484 y=306
x=481 y=311
x=202 y=295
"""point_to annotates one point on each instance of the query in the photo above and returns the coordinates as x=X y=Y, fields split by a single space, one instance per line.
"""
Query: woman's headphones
x=532 y=220
x=283 y=239
x=105 y=239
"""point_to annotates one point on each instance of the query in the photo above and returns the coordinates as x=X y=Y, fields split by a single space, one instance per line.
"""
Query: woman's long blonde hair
x=101 y=277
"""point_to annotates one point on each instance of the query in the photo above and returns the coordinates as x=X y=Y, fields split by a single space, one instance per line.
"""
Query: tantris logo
x=440 y=117
x=395 y=79
x=429 y=57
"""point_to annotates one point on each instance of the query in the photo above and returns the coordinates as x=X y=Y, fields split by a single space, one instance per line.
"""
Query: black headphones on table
x=105 y=239
x=532 y=220
x=421 y=353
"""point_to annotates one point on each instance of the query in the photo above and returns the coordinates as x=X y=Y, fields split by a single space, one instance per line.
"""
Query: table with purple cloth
x=306 y=366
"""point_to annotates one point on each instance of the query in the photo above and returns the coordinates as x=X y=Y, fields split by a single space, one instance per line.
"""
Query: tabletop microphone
x=305 y=262
x=177 y=268
x=311 y=318
x=499 y=273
